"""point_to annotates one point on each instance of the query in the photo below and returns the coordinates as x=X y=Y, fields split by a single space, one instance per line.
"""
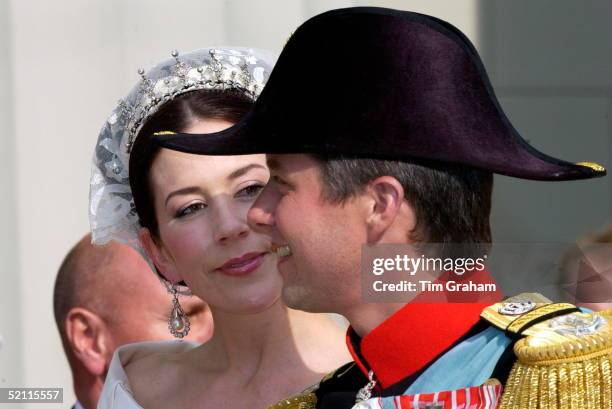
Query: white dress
x=117 y=393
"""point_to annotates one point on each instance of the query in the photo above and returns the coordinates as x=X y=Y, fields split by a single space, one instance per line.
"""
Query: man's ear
x=159 y=256
x=89 y=339
x=388 y=213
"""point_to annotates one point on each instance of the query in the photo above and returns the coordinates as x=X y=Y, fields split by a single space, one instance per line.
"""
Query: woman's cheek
x=186 y=240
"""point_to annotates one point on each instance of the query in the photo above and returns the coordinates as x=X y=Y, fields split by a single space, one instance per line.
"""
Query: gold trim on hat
x=592 y=165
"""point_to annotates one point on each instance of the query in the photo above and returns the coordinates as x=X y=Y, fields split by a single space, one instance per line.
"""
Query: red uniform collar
x=413 y=336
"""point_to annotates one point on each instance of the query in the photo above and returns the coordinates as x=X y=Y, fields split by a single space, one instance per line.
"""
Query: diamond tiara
x=227 y=69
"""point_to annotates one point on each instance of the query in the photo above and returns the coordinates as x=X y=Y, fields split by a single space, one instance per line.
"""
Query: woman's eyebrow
x=183 y=191
x=239 y=172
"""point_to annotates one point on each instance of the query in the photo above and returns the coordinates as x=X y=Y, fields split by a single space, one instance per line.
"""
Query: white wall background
x=553 y=75
x=64 y=64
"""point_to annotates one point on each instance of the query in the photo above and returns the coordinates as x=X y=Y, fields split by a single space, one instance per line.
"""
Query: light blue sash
x=470 y=363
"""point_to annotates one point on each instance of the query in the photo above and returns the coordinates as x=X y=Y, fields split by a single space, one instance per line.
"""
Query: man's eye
x=279 y=181
x=250 y=191
x=191 y=209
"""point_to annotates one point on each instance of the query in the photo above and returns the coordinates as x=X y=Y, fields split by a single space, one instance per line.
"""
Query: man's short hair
x=452 y=203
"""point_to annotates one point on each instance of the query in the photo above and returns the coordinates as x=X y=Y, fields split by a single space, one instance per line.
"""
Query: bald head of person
x=105 y=297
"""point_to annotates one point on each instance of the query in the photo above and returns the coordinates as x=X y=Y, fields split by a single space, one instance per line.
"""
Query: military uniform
x=523 y=352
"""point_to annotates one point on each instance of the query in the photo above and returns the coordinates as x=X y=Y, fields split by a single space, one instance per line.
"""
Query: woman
x=188 y=213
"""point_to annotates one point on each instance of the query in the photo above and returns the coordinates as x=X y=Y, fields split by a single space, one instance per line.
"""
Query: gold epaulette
x=564 y=356
x=301 y=401
x=307 y=398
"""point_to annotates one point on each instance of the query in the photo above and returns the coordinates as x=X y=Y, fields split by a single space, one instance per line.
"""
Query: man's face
x=139 y=305
x=322 y=272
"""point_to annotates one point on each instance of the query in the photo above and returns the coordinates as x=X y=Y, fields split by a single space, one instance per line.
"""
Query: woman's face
x=201 y=203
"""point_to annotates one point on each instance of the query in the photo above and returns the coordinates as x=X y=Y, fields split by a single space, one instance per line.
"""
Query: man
x=382 y=127
x=105 y=297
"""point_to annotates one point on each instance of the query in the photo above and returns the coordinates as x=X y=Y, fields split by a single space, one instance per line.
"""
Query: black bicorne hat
x=381 y=83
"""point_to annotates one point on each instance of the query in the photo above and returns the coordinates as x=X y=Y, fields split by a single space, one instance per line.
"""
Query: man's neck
x=87 y=389
x=365 y=317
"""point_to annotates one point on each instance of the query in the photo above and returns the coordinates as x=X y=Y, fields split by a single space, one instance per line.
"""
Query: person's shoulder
x=125 y=372
x=563 y=353
x=153 y=369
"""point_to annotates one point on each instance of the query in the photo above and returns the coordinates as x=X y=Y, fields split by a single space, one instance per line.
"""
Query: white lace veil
x=112 y=215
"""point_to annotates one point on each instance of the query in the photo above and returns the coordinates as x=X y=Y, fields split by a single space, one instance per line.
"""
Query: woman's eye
x=250 y=191
x=192 y=208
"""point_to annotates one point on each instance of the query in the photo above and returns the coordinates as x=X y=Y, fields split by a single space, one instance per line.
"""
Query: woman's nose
x=229 y=234
x=230 y=226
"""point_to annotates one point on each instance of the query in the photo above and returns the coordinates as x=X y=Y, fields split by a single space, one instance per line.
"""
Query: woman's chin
x=253 y=299
x=257 y=306
x=250 y=306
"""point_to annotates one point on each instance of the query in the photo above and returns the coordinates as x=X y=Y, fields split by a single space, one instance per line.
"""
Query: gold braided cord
x=553 y=379
x=543 y=386
x=563 y=389
x=593 y=394
x=592 y=378
x=533 y=383
x=521 y=376
x=577 y=386
x=510 y=399
x=606 y=379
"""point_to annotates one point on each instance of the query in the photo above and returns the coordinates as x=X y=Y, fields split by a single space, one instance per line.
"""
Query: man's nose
x=261 y=214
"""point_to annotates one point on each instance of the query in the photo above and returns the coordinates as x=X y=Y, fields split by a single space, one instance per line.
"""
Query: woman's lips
x=242 y=265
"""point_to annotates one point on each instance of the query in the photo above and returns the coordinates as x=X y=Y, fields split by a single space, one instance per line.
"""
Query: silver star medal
x=577 y=324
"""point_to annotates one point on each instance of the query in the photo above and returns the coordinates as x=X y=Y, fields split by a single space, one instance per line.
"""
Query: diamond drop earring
x=178 y=322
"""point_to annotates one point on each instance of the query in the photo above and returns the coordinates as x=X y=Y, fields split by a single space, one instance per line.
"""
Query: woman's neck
x=277 y=337
x=248 y=341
